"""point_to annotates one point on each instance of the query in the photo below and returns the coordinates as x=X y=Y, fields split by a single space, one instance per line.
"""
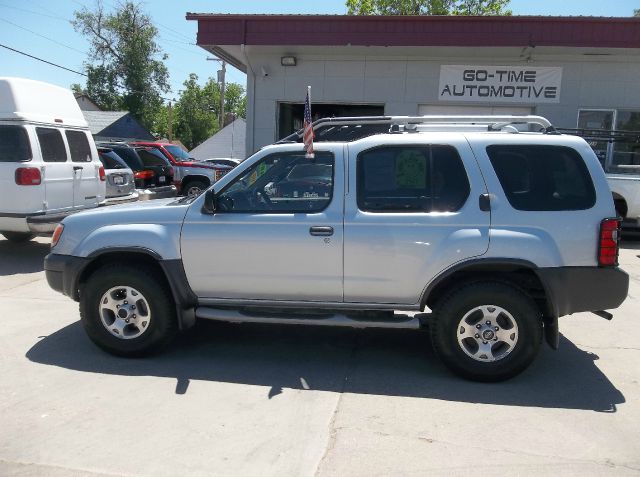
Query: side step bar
x=398 y=321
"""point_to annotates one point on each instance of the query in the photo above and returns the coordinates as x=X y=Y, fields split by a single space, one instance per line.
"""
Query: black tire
x=18 y=237
x=162 y=326
x=195 y=184
x=449 y=312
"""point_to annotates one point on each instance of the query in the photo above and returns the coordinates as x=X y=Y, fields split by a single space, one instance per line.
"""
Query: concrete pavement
x=241 y=400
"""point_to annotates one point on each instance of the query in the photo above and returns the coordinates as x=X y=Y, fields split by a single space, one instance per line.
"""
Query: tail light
x=608 y=243
x=102 y=175
x=57 y=233
x=28 y=176
x=146 y=174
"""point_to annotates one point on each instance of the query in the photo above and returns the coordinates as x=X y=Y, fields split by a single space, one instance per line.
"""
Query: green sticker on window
x=411 y=170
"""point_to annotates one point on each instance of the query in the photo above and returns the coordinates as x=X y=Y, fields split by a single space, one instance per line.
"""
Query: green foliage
x=428 y=7
x=125 y=68
x=195 y=114
x=636 y=12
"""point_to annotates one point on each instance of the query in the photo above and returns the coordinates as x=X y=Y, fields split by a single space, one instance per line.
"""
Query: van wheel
x=127 y=311
x=486 y=331
x=18 y=237
x=195 y=188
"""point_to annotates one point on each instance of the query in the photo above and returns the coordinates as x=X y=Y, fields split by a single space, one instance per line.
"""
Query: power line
x=34 y=12
x=40 y=59
x=42 y=36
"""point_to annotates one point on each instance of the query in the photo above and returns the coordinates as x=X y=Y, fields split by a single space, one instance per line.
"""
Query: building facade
x=579 y=72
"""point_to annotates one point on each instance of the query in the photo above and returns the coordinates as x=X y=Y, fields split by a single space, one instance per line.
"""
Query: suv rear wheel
x=18 y=237
x=127 y=311
x=486 y=331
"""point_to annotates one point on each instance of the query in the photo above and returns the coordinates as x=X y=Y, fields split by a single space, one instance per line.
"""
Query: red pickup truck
x=191 y=177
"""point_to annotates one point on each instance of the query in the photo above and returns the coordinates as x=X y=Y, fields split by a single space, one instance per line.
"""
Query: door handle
x=318 y=231
x=77 y=168
x=484 y=202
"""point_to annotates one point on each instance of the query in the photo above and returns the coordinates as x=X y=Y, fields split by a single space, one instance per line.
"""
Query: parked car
x=120 y=182
x=152 y=173
x=191 y=176
x=49 y=166
x=497 y=233
x=223 y=161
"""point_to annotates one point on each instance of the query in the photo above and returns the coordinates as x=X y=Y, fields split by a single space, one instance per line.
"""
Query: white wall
x=402 y=84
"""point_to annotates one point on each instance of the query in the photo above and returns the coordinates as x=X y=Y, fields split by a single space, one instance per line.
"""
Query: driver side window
x=282 y=183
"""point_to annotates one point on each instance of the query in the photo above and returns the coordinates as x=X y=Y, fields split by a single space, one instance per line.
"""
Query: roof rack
x=346 y=128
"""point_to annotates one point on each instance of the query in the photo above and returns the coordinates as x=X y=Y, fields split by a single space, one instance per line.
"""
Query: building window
x=614 y=136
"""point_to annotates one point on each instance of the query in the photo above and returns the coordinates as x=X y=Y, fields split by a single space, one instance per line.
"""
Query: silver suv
x=497 y=231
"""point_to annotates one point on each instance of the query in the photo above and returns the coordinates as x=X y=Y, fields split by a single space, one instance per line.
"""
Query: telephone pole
x=221 y=80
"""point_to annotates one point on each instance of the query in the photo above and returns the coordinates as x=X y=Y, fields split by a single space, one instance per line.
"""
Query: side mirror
x=210 y=202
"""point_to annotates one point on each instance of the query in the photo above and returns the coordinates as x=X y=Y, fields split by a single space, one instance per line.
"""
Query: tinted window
x=14 y=144
x=110 y=160
x=130 y=157
x=51 y=145
x=151 y=157
x=543 y=177
x=78 y=146
x=282 y=183
x=411 y=179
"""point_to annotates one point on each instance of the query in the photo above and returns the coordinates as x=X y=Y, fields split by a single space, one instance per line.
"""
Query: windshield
x=179 y=154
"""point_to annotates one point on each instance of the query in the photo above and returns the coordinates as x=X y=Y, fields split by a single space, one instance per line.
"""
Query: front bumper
x=62 y=272
x=576 y=289
x=162 y=192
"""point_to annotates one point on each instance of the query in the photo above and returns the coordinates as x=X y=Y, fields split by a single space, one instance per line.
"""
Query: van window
x=429 y=178
x=543 y=178
x=51 y=145
x=78 y=146
x=14 y=144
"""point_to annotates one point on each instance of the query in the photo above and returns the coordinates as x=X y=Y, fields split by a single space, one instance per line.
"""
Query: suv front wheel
x=486 y=331
x=127 y=311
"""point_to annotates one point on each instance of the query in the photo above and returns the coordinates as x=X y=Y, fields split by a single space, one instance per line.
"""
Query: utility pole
x=170 y=121
x=221 y=80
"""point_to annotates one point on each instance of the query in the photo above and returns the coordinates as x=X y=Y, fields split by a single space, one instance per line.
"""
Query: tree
x=427 y=7
x=636 y=12
x=125 y=68
x=197 y=110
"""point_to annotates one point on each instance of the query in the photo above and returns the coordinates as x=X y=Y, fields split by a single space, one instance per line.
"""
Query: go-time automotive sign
x=500 y=84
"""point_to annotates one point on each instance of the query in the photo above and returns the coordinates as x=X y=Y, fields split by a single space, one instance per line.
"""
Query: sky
x=41 y=28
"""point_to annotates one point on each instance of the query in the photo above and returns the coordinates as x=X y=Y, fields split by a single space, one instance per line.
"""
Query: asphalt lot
x=248 y=400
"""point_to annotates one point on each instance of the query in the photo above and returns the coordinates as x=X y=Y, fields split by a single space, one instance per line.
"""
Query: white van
x=49 y=165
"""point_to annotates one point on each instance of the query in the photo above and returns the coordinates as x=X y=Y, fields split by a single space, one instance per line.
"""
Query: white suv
x=497 y=232
x=49 y=165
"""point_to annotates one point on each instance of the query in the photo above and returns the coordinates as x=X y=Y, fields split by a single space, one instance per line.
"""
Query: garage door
x=461 y=110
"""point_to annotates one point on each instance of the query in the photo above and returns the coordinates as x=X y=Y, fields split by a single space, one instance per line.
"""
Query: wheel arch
x=518 y=272
x=171 y=272
x=521 y=273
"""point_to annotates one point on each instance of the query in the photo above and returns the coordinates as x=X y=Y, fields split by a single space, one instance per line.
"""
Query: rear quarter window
x=14 y=144
x=78 y=146
x=543 y=178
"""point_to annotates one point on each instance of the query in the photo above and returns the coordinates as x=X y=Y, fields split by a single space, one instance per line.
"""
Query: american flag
x=307 y=136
